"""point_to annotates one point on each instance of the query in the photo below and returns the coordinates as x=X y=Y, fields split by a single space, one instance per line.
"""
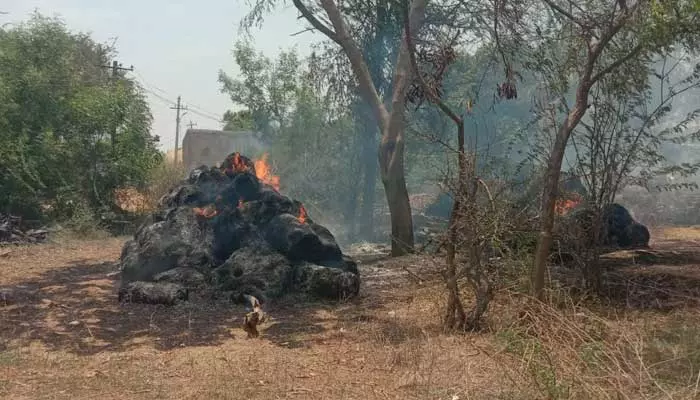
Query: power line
x=194 y=110
x=205 y=116
x=172 y=103
x=201 y=110
x=164 y=99
x=146 y=83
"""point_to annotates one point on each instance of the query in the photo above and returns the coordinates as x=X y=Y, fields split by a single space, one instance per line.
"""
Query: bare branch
x=610 y=33
x=357 y=60
x=488 y=193
x=414 y=65
x=302 y=31
x=495 y=35
x=315 y=22
x=617 y=63
x=554 y=6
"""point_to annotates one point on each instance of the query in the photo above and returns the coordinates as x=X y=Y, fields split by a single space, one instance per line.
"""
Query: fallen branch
x=413 y=275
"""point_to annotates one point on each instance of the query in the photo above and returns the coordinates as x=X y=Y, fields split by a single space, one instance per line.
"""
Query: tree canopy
x=70 y=132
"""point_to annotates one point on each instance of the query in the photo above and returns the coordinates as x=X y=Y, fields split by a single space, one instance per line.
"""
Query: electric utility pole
x=191 y=124
x=177 y=124
x=116 y=66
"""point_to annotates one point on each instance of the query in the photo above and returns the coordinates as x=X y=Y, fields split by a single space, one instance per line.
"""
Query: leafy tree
x=389 y=114
x=69 y=133
x=266 y=90
x=576 y=45
x=621 y=139
x=377 y=26
x=312 y=148
x=238 y=120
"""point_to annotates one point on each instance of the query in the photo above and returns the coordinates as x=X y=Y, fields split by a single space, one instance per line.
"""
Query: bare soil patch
x=664 y=277
x=64 y=336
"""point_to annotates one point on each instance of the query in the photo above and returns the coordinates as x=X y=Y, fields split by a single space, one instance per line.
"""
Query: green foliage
x=238 y=121
x=311 y=147
x=266 y=90
x=317 y=147
x=69 y=133
x=668 y=24
x=631 y=123
x=500 y=131
x=83 y=222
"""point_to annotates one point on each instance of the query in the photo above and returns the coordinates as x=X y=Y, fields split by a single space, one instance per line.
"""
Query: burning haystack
x=229 y=228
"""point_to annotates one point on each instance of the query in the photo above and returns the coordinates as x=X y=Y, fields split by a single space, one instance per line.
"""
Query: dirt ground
x=64 y=336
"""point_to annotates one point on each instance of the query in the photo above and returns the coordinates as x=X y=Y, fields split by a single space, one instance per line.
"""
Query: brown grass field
x=64 y=336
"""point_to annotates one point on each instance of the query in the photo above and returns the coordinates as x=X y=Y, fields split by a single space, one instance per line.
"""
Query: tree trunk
x=391 y=155
x=483 y=291
x=376 y=54
x=369 y=163
x=455 y=316
x=391 y=149
x=356 y=166
x=392 y=146
x=556 y=156
x=551 y=190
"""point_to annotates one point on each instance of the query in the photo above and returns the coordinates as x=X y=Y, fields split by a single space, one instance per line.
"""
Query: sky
x=176 y=47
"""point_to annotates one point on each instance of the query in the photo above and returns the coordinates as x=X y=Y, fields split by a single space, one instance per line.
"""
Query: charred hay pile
x=230 y=230
x=617 y=227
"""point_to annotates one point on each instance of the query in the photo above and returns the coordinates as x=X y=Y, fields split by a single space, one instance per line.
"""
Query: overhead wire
x=146 y=83
x=204 y=115
x=194 y=108
x=159 y=97
x=198 y=110
x=171 y=103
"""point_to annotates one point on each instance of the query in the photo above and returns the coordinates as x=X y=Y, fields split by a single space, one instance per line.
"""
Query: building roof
x=192 y=131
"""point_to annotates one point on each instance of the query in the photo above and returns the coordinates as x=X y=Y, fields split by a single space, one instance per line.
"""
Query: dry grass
x=683 y=233
x=160 y=181
x=63 y=336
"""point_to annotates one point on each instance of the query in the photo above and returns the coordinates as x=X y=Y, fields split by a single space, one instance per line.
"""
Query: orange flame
x=238 y=164
x=564 y=206
x=302 y=214
x=264 y=172
x=206 y=212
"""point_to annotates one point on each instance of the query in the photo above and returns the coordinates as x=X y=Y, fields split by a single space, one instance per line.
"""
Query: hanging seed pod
x=507 y=90
x=435 y=61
